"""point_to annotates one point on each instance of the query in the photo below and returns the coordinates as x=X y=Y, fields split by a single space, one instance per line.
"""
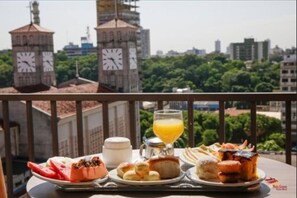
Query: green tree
x=209 y=137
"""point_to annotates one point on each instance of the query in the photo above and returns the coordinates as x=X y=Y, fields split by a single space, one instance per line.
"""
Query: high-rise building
x=288 y=75
x=250 y=50
x=218 y=46
x=145 y=43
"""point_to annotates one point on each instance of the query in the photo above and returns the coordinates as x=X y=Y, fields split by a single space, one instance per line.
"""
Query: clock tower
x=33 y=57
x=117 y=58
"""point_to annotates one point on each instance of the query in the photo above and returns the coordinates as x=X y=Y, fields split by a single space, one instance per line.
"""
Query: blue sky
x=176 y=25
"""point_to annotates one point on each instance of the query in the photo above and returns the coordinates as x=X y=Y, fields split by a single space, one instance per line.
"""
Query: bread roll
x=167 y=166
x=207 y=167
x=142 y=168
x=131 y=175
x=152 y=176
x=123 y=168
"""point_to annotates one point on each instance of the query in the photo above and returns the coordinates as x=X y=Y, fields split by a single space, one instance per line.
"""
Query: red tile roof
x=66 y=108
x=31 y=28
x=234 y=111
x=115 y=24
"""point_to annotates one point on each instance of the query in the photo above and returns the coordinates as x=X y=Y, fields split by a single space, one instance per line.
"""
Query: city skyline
x=184 y=25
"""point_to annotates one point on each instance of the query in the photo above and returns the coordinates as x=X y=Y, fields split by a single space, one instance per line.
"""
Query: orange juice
x=168 y=130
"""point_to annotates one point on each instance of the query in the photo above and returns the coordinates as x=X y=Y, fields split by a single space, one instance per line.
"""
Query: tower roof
x=115 y=23
x=30 y=28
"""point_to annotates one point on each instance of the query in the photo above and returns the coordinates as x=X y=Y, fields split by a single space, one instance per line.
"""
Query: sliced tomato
x=43 y=170
x=61 y=169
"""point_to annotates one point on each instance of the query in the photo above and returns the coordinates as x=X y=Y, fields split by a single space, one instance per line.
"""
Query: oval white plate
x=113 y=176
x=191 y=174
x=184 y=160
x=68 y=183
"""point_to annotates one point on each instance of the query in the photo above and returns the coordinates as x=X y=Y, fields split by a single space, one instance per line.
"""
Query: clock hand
x=49 y=62
x=114 y=62
x=26 y=62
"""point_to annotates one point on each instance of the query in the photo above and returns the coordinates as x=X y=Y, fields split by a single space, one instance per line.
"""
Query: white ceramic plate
x=68 y=183
x=113 y=176
x=184 y=160
x=191 y=173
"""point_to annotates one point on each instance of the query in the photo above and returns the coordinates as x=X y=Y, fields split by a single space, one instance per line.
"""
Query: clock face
x=26 y=62
x=132 y=58
x=112 y=59
x=48 y=61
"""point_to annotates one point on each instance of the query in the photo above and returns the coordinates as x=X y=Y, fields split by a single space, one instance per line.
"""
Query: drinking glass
x=168 y=126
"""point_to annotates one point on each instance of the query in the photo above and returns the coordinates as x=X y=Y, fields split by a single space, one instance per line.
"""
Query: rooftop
x=31 y=28
x=66 y=108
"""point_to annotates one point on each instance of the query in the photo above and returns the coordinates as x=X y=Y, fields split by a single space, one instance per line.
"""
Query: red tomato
x=61 y=169
x=42 y=170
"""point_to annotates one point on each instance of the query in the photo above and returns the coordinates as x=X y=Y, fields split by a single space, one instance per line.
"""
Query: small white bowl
x=116 y=150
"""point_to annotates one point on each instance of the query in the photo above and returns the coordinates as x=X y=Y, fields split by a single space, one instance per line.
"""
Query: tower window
x=25 y=41
x=111 y=36
x=119 y=36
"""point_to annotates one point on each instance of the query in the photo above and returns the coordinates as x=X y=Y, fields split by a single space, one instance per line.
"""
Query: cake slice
x=248 y=162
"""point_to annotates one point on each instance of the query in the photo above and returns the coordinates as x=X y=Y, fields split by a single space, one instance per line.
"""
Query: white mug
x=116 y=150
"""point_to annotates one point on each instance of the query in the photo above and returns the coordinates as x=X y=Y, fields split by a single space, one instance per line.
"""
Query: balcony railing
x=132 y=99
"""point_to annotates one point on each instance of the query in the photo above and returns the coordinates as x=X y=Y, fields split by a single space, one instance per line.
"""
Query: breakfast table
x=280 y=181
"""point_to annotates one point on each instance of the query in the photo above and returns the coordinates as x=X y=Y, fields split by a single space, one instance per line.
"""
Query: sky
x=174 y=25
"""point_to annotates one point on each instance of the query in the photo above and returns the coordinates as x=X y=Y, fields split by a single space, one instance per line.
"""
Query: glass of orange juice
x=168 y=126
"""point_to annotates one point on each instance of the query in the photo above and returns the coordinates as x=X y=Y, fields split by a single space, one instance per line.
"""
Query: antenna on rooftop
x=88 y=34
x=30 y=11
x=116 y=11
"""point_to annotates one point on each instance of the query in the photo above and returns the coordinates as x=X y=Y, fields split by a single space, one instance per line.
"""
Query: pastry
x=152 y=176
x=226 y=154
x=131 y=175
x=167 y=166
x=124 y=167
x=207 y=167
x=142 y=168
x=229 y=177
x=229 y=166
x=248 y=162
x=229 y=171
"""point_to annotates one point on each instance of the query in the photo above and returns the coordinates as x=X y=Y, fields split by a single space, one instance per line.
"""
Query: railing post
x=222 y=136
x=105 y=119
x=79 y=126
x=191 y=139
x=132 y=124
x=288 y=133
x=54 y=128
x=30 y=130
x=160 y=105
x=8 y=156
x=253 y=125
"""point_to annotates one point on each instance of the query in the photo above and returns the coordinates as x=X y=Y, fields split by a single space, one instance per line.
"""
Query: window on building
x=293 y=79
x=284 y=71
x=64 y=148
x=284 y=80
x=94 y=143
x=285 y=88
